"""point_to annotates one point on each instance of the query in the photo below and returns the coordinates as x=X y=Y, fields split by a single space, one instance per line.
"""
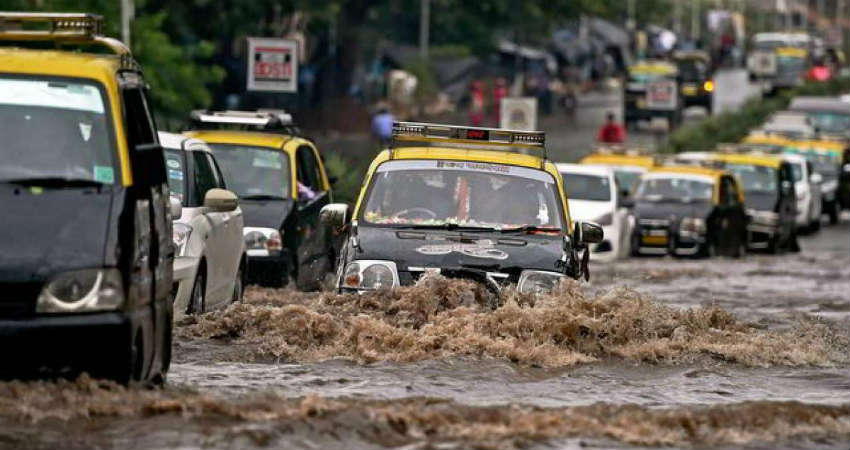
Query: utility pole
x=631 y=23
x=127 y=13
x=677 y=18
x=695 y=21
x=424 y=27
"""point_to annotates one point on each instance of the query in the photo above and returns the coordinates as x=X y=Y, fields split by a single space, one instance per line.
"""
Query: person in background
x=382 y=126
x=612 y=132
x=476 y=107
x=500 y=91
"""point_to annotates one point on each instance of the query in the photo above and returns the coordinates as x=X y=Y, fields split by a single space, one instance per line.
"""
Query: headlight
x=180 y=236
x=763 y=217
x=693 y=225
x=370 y=275
x=82 y=291
x=262 y=241
x=605 y=219
x=537 y=281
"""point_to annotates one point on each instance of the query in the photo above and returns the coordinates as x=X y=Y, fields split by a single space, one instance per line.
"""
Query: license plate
x=641 y=103
x=689 y=90
x=654 y=240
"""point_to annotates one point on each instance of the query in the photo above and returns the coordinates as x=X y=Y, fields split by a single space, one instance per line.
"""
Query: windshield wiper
x=262 y=197
x=530 y=229
x=54 y=182
x=446 y=226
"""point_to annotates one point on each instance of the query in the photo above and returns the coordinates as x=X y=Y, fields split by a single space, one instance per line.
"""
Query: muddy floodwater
x=653 y=352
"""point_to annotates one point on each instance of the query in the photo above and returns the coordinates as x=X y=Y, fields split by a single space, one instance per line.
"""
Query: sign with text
x=662 y=95
x=272 y=65
x=518 y=113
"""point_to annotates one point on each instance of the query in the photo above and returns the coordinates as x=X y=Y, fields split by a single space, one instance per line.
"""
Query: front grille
x=18 y=299
x=654 y=223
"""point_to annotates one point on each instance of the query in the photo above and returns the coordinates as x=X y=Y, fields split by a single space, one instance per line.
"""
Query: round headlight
x=536 y=282
x=377 y=276
x=74 y=286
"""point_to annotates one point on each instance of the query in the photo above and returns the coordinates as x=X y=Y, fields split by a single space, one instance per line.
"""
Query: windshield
x=797 y=170
x=627 y=179
x=829 y=122
x=55 y=129
x=462 y=193
x=677 y=189
x=587 y=187
x=760 y=179
x=254 y=171
x=175 y=165
x=692 y=70
x=791 y=62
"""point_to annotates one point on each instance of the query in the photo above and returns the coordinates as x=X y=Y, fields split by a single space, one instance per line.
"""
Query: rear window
x=587 y=187
x=55 y=128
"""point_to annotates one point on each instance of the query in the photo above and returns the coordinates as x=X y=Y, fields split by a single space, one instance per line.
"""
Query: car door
x=313 y=194
x=232 y=239
x=204 y=179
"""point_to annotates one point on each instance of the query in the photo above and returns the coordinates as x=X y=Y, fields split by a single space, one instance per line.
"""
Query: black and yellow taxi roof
x=620 y=156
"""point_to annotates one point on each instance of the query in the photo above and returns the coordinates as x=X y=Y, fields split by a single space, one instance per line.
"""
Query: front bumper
x=268 y=268
x=662 y=241
x=761 y=235
x=185 y=271
x=79 y=340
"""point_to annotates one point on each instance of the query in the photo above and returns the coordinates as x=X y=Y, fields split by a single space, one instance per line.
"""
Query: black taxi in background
x=768 y=185
x=689 y=211
x=282 y=186
x=86 y=251
x=465 y=203
x=695 y=78
x=652 y=90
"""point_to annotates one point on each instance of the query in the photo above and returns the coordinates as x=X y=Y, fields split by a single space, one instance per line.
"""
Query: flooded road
x=654 y=352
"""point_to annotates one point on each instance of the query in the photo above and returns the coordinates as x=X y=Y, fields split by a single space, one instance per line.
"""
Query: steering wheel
x=407 y=213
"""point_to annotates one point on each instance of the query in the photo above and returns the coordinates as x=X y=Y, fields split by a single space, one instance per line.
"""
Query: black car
x=695 y=78
x=86 y=249
x=652 y=90
x=282 y=186
x=689 y=211
x=493 y=216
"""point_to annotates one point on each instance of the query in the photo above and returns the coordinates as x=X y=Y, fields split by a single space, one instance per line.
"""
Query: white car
x=594 y=195
x=807 y=185
x=211 y=262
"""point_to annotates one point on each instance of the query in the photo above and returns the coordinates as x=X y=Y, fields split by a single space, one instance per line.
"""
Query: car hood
x=761 y=201
x=48 y=231
x=266 y=213
x=589 y=210
x=447 y=249
x=672 y=211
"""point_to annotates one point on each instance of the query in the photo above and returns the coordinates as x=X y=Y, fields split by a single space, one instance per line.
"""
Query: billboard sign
x=272 y=65
x=518 y=113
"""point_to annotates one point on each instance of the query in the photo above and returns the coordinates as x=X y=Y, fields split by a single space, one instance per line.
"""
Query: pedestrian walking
x=382 y=126
x=612 y=132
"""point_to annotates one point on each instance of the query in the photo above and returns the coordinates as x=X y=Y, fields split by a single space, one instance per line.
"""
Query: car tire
x=814 y=226
x=793 y=243
x=239 y=283
x=197 y=300
x=833 y=212
x=741 y=251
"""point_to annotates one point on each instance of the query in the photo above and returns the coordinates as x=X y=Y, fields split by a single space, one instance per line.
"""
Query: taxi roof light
x=406 y=133
x=73 y=28
x=261 y=119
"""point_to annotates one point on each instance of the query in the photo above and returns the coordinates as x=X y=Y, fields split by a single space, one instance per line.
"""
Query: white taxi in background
x=594 y=196
x=211 y=263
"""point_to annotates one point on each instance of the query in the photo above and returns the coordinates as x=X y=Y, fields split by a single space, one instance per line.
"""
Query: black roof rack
x=63 y=28
x=263 y=120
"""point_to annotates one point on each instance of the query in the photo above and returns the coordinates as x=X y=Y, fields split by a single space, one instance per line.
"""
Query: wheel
x=197 y=302
x=238 y=284
x=814 y=226
x=833 y=212
x=709 y=249
x=741 y=251
x=793 y=244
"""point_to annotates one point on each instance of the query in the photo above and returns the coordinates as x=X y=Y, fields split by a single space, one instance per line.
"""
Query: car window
x=140 y=127
x=797 y=171
x=674 y=189
x=204 y=175
x=175 y=166
x=309 y=181
x=587 y=187
x=729 y=192
x=254 y=172
x=219 y=179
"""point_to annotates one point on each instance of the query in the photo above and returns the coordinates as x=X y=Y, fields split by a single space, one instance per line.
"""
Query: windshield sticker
x=173 y=164
x=85 y=131
x=267 y=160
x=104 y=174
x=175 y=174
x=468 y=165
x=480 y=249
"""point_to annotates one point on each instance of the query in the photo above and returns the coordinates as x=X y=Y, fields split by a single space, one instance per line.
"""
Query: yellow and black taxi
x=86 y=252
x=282 y=186
x=475 y=203
x=652 y=90
x=689 y=211
x=628 y=165
x=695 y=78
x=767 y=182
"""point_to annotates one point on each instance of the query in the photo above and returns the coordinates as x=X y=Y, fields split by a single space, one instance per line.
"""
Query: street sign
x=272 y=65
x=518 y=113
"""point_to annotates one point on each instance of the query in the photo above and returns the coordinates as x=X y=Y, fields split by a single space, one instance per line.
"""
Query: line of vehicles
x=780 y=60
x=113 y=228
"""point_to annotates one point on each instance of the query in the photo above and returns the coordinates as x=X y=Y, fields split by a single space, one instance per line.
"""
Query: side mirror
x=176 y=207
x=332 y=180
x=334 y=215
x=220 y=200
x=816 y=178
x=588 y=233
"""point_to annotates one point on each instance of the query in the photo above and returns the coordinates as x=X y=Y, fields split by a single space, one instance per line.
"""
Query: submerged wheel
x=197 y=301
x=238 y=284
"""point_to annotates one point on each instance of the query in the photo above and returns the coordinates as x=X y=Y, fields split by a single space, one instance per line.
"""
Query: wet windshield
x=760 y=179
x=627 y=179
x=175 y=166
x=55 y=129
x=254 y=172
x=462 y=193
x=693 y=70
x=677 y=189
x=831 y=122
x=587 y=187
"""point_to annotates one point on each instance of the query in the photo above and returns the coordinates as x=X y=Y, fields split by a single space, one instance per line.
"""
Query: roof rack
x=618 y=149
x=74 y=28
x=406 y=134
x=266 y=120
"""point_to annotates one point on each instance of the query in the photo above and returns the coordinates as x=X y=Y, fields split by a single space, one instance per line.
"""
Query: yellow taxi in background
x=628 y=165
x=475 y=203
x=282 y=186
